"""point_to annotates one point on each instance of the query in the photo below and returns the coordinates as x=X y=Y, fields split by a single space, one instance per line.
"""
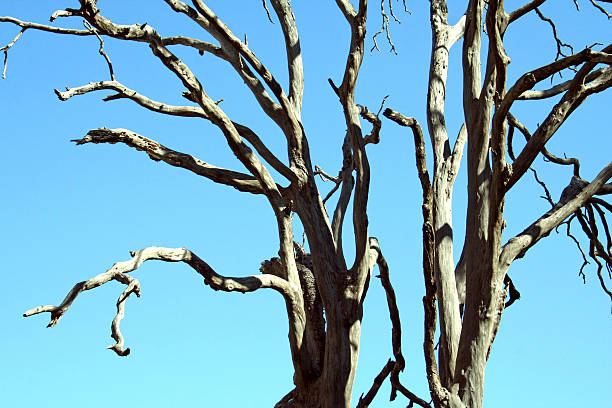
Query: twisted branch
x=560 y=44
x=101 y=50
x=120 y=270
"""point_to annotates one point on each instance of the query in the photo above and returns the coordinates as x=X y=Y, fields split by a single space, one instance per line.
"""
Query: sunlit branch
x=120 y=270
x=101 y=49
x=144 y=32
x=521 y=11
x=346 y=95
x=514 y=123
x=562 y=87
x=573 y=197
x=158 y=152
x=43 y=27
x=348 y=183
x=124 y=92
x=573 y=98
x=237 y=53
x=6 y=48
x=456 y=31
x=244 y=51
x=366 y=400
x=457 y=154
x=201 y=46
x=294 y=52
x=600 y=8
x=265 y=6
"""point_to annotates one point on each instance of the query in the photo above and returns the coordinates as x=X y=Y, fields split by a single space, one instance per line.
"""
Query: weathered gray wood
x=323 y=291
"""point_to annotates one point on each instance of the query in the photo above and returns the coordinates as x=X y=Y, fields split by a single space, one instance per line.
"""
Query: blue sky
x=69 y=212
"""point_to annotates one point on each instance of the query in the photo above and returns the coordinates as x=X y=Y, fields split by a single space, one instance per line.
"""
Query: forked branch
x=574 y=196
x=601 y=254
x=6 y=48
x=120 y=270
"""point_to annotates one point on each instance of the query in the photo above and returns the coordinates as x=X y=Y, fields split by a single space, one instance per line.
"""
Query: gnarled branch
x=158 y=152
x=120 y=270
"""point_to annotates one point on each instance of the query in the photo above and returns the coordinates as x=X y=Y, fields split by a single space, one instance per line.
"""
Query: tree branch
x=184 y=111
x=573 y=197
x=392 y=367
x=531 y=78
x=562 y=87
x=348 y=183
x=158 y=152
x=384 y=27
x=346 y=94
x=231 y=39
x=101 y=50
x=127 y=93
x=573 y=98
x=396 y=323
x=230 y=54
x=294 y=52
x=133 y=286
x=521 y=11
x=6 y=48
x=201 y=46
x=42 y=27
x=120 y=270
x=457 y=154
x=240 y=57
x=347 y=9
x=148 y=34
x=456 y=31
x=600 y=8
x=439 y=393
x=560 y=44
x=364 y=112
x=514 y=123
x=365 y=401
x=419 y=143
x=596 y=249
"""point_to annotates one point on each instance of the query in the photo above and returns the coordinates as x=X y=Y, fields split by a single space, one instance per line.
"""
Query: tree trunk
x=333 y=388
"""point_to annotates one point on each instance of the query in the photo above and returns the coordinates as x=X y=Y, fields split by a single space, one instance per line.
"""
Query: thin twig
x=600 y=8
x=326 y=177
x=548 y=156
x=267 y=11
x=385 y=27
x=585 y=261
x=101 y=50
x=7 y=47
x=365 y=401
x=548 y=197
x=560 y=44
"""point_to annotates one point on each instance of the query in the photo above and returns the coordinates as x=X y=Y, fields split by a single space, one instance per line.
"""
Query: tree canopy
x=70 y=212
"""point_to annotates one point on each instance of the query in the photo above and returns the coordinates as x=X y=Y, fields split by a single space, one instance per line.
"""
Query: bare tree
x=322 y=289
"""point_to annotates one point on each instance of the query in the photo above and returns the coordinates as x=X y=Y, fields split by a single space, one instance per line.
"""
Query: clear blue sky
x=68 y=213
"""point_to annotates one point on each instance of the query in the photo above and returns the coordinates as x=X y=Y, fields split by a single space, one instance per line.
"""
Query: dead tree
x=322 y=289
